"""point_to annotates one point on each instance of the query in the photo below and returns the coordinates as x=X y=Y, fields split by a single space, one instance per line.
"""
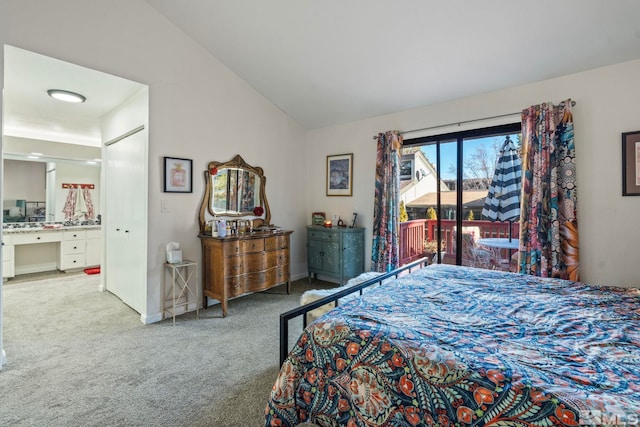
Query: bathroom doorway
x=38 y=128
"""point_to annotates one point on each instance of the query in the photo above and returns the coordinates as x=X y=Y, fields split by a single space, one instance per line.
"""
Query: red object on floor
x=93 y=270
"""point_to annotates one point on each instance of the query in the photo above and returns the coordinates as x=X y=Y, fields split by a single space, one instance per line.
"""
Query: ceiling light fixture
x=65 y=95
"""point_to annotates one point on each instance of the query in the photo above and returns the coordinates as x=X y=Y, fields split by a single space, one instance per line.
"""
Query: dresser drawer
x=36 y=237
x=282 y=273
x=251 y=245
x=276 y=242
x=236 y=285
x=234 y=266
x=275 y=258
x=237 y=247
x=75 y=235
x=73 y=247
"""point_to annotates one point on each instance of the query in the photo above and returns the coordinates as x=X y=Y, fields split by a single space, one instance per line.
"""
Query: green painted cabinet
x=335 y=252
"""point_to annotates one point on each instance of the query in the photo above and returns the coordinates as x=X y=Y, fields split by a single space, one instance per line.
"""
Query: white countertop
x=8 y=230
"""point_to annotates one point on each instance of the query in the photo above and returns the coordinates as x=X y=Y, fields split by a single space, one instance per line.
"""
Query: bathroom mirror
x=235 y=189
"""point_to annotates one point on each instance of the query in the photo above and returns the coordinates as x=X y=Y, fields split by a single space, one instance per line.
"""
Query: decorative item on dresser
x=246 y=258
x=335 y=252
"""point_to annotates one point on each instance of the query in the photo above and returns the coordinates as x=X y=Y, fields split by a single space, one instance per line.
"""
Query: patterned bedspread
x=459 y=346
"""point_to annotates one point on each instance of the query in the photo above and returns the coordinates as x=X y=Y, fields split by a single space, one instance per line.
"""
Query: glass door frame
x=459 y=138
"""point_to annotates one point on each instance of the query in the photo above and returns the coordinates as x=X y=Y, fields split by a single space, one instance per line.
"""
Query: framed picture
x=631 y=163
x=340 y=175
x=178 y=175
x=317 y=218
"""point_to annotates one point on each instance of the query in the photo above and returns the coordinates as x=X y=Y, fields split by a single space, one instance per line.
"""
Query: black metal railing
x=304 y=309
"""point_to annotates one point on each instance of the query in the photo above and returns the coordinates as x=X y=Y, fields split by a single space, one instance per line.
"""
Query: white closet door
x=125 y=232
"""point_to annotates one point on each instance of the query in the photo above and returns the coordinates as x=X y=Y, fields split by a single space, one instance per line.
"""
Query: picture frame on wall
x=178 y=175
x=631 y=163
x=340 y=175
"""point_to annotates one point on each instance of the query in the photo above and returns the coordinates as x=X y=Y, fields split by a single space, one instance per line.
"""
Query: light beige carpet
x=80 y=357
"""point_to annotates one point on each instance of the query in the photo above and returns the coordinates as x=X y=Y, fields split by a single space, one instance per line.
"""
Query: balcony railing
x=414 y=234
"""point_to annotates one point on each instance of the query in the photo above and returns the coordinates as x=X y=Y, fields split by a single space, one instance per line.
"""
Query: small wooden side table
x=182 y=275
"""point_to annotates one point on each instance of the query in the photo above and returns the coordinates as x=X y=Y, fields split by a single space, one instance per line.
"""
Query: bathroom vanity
x=32 y=249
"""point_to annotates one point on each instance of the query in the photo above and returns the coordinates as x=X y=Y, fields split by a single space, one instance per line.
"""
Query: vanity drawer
x=72 y=247
x=36 y=237
x=74 y=235
x=72 y=261
x=7 y=253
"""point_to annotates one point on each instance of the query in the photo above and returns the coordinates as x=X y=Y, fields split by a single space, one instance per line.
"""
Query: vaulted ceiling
x=329 y=62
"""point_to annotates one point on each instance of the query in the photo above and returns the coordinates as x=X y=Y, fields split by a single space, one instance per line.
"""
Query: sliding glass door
x=459 y=170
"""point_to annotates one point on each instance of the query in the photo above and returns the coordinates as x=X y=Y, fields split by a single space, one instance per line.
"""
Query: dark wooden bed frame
x=304 y=309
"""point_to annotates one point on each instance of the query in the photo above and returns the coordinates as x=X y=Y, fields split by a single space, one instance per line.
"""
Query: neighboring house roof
x=448 y=198
x=405 y=183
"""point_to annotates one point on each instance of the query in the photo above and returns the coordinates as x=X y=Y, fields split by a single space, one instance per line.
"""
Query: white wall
x=607 y=105
x=198 y=109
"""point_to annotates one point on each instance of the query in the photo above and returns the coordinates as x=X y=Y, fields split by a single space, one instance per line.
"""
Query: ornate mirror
x=234 y=189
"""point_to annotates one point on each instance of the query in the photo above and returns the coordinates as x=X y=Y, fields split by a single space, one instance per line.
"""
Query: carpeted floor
x=80 y=357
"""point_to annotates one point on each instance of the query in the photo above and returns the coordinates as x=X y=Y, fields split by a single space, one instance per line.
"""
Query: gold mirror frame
x=236 y=163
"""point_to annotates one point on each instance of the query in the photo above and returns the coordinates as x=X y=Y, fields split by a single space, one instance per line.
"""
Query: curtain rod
x=573 y=103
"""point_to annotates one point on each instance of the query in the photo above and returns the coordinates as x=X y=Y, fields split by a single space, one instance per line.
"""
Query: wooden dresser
x=243 y=263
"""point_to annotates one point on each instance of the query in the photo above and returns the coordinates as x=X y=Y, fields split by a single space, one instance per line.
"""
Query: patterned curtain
x=385 y=252
x=549 y=226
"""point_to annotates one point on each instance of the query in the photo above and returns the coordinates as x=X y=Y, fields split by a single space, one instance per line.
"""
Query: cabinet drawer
x=27 y=238
x=323 y=235
x=75 y=235
x=72 y=261
x=72 y=247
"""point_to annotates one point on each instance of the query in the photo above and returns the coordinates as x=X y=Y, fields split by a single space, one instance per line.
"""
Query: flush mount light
x=65 y=95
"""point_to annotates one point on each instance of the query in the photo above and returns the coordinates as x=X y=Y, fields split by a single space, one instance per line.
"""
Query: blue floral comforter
x=459 y=346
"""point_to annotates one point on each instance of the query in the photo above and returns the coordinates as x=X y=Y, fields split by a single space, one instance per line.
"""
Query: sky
x=448 y=152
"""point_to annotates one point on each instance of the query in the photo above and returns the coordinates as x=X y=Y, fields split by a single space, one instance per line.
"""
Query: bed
x=460 y=346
